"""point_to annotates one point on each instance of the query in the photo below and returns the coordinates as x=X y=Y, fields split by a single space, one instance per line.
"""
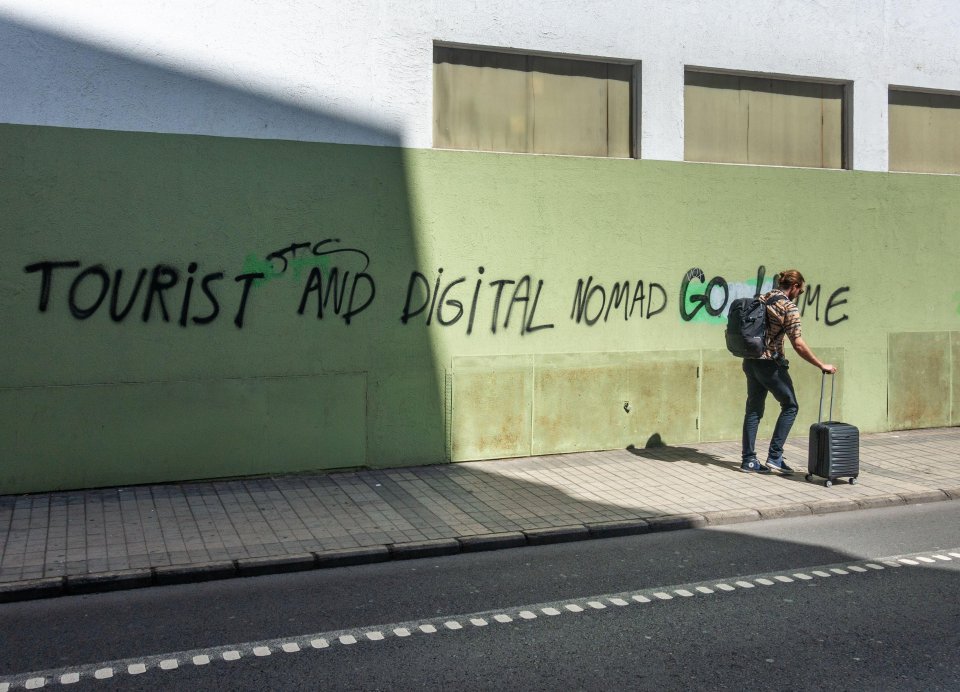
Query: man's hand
x=829 y=369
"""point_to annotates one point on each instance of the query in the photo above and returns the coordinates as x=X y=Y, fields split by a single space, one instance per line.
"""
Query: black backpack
x=747 y=327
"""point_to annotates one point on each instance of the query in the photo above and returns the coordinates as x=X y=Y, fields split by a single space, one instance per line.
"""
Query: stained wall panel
x=919 y=382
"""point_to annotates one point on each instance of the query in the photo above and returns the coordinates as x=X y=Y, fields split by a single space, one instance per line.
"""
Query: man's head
x=791 y=282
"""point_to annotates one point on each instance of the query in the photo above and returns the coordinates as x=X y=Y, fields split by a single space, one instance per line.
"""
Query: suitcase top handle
x=823 y=382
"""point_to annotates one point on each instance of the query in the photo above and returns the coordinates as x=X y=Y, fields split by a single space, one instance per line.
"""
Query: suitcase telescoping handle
x=823 y=382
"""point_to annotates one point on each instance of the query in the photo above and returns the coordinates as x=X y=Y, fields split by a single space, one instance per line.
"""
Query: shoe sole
x=785 y=472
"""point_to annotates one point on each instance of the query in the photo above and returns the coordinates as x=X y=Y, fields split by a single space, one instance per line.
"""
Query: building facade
x=248 y=238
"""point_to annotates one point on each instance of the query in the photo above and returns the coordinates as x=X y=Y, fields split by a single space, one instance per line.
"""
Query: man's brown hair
x=788 y=278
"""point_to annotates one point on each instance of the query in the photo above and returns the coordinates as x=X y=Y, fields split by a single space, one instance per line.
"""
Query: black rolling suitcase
x=834 y=447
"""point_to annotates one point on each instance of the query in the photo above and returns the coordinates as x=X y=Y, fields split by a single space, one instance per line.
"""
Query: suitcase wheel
x=828 y=483
x=808 y=477
x=853 y=480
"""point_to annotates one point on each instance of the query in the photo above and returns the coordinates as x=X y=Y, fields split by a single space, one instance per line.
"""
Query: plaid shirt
x=783 y=318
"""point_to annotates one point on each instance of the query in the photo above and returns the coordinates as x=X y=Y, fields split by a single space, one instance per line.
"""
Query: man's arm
x=800 y=346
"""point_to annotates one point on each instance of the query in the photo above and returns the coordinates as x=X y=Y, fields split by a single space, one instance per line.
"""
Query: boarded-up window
x=924 y=132
x=490 y=101
x=740 y=119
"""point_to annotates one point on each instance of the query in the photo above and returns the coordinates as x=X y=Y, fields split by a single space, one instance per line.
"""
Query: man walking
x=770 y=373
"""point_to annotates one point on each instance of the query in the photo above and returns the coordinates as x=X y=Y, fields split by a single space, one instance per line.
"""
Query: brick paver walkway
x=111 y=538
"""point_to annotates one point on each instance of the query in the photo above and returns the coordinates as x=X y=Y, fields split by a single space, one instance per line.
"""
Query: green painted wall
x=90 y=398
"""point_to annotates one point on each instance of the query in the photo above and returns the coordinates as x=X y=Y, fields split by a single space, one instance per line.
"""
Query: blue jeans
x=768 y=376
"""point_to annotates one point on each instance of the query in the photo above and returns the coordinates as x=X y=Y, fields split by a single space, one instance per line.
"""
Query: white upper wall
x=361 y=72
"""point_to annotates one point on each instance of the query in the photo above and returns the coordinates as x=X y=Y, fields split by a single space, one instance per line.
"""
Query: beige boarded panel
x=715 y=119
x=480 y=100
x=918 y=380
x=619 y=111
x=90 y=436
x=832 y=125
x=924 y=132
x=491 y=403
x=909 y=128
x=579 y=401
x=723 y=393
x=785 y=119
x=955 y=376
x=568 y=109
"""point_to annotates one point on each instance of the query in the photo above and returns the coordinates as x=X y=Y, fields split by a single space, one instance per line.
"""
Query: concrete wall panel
x=604 y=401
x=919 y=380
x=491 y=411
x=116 y=434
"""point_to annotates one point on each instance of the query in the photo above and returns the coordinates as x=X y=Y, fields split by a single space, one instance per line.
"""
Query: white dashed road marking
x=234 y=652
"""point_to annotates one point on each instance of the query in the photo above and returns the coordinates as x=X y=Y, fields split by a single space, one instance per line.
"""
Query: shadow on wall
x=76 y=84
x=195 y=306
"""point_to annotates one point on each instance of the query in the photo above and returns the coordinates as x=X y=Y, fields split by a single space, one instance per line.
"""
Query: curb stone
x=830 y=506
x=876 y=501
x=257 y=566
x=491 y=541
x=731 y=516
x=99 y=582
x=557 y=534
x=31 y=589
x=918 y=497
x=612 y=529
x=785 y=511
x=347 y=557
x=189 y=574
x=417 y=549
x=674 y=522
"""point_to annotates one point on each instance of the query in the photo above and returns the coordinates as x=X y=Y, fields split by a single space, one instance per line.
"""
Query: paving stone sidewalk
x=97 y=540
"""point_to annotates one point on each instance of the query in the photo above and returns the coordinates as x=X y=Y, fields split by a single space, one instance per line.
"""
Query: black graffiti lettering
x=500 y=284
x=761 y=275
x=433 y=301
x=335 y=289
x=833 y=303
x=351 y=311
x=702 y=300
x=523 y=283
x=164 y=277
x=620 y=298
x=638 y=297
x=528 y=327
x=119 y=315
x=188 y=291
x=336 y=292
x=580 y=299
x=318 y=251
x=247 y=280
x=452 y=303
x=708 y=296
x=416 y=278
x=444 y=301
x=811 y=297
x=98 y=271
x=46 y=278
x=663 y=302
x=618 y=295
x=473 y=304
x=695 y=273
x=214 y=303
x=282 y=254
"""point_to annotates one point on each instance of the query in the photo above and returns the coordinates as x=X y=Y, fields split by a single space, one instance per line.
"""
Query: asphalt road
x=793 y=604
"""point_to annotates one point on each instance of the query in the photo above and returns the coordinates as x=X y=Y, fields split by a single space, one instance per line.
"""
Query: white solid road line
x=521 y=614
